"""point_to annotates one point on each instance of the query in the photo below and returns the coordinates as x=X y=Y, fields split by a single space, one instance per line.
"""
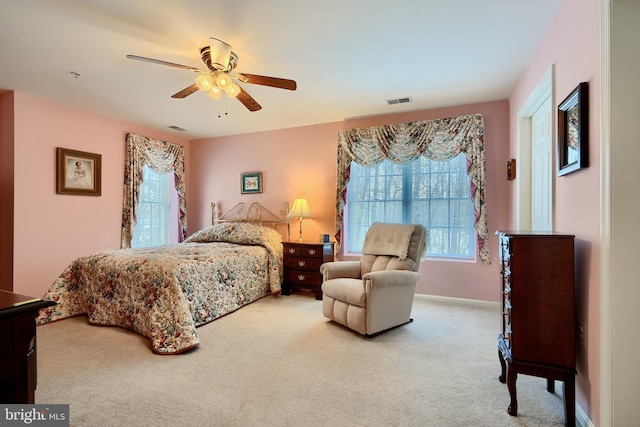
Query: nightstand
x=302 y=261
x=18 y=347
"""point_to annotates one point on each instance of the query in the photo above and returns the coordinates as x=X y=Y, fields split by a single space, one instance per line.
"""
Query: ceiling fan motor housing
x=218 y=63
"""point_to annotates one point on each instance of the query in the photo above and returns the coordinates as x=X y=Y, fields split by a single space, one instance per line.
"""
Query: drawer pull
x=312 y=251
x=301 y=263
x=301 y=277
x=292 y=250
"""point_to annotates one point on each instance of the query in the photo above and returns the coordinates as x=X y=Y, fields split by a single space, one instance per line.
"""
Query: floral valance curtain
x=439 y=139
x=163 y=157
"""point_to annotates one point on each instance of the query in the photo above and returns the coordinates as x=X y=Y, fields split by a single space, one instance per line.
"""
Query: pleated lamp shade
x=300 y=210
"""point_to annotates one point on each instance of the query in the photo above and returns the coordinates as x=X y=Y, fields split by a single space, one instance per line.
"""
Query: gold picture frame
x=78 y=172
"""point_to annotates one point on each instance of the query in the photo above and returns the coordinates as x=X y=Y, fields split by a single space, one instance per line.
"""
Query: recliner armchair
x=376 y=293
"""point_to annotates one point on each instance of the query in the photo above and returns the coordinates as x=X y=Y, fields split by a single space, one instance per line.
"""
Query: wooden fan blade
x=267 y=81
x=248 y=101
x=186 y=91
x=170 y=64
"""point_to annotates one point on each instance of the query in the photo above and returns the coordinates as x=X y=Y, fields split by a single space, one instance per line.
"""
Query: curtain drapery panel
x=163 y=157
x=439 y=139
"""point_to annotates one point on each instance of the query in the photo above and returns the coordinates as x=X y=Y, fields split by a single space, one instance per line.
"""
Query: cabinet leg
x=569 y=394
x=31 y=372
x=503 y=368
x=551 y=385
x=512 y=377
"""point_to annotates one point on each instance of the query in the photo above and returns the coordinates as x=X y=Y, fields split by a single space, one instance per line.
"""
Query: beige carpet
x=278 y=362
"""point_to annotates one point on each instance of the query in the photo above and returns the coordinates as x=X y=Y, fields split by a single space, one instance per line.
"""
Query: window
x=436 y=194
x=152 y=213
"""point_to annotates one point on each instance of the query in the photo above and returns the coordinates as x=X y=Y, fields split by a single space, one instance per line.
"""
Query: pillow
x=236 y=232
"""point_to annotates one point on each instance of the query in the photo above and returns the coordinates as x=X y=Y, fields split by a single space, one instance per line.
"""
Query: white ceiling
x=347 y=56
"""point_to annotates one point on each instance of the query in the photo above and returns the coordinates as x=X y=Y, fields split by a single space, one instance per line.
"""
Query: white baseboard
x=465 y=301
x=582 y=418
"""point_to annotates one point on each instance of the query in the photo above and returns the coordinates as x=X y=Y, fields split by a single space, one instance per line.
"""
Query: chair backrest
x=392 y=260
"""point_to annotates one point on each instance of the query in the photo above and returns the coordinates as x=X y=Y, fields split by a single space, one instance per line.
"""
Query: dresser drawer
x=506 y=282
x=303 y=278
x=303 y=251
x=506 y=320
x=506 y=297
x=302 y=263
x=505 y=247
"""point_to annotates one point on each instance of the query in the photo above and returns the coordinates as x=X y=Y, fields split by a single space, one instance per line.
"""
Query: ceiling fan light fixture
x=233 y=90
x=223 y=81
x=215 y=92
x=204 y=82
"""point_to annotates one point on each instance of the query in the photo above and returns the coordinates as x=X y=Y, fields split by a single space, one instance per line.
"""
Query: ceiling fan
x=218 y=77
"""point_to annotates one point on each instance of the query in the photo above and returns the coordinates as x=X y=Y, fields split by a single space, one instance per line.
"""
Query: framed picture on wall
x=573 y=131
x=251 y=182
x=78 y=173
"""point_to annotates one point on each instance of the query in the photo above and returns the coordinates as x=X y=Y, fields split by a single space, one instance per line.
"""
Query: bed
x=164 y=293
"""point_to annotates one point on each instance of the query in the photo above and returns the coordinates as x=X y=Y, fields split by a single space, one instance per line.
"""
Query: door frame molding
x=543 y=91
x=607 y=304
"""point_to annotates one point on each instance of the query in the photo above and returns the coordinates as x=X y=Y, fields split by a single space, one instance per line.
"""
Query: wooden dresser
x=538 y=312
x=302 y=261
x=18 y=347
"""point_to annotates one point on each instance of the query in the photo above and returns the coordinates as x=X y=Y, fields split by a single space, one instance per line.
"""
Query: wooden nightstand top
x=307 y=242
x=12 y=304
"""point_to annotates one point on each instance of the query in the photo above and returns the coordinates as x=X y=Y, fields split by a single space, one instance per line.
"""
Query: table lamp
x=300 y=210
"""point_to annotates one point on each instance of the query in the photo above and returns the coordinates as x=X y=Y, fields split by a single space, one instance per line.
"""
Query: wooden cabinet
x=18 y=373
x=538 y=312
x=302 y=263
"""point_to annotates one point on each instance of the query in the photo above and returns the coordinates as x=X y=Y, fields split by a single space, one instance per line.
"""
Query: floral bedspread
x=164 y=293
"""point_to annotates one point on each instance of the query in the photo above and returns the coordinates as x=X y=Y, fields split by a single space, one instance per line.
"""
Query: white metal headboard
x=254 y=212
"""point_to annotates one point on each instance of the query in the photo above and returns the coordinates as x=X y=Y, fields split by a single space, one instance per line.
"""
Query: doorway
x=535 y=157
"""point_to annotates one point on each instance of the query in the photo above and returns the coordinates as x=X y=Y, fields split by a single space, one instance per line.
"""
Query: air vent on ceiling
x=398 y=100
x=178 y=128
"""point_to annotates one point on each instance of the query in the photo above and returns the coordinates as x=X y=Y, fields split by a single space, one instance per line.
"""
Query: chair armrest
x=383 y=278
x=340 y=269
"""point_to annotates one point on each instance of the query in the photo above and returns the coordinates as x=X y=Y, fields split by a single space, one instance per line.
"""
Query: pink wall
x=302 y=162
x=51 y=230
x=573 y=45
x=296 y=162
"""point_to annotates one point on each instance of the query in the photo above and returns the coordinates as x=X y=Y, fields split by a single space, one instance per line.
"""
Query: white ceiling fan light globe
x=215 y=92
x=223 y=81
x=233 y=90
x=204 y=82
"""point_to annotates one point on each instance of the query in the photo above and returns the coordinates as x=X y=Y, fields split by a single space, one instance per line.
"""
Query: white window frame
x=149 y=180
x=470 y=256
